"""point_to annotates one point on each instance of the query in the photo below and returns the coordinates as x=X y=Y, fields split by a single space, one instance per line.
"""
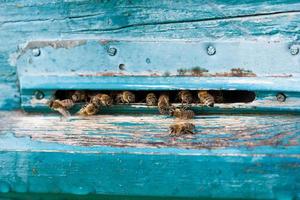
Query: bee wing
x=189 y=132
x=82 y=111
x=67 y=103
x=63 y=112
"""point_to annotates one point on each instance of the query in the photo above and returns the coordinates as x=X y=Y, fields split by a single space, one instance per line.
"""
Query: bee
x=78 y=96
x=62 y=106
x=163 y=104
x=181 y=113
x=181 y=128
x=125 y=97
x=101 y=100
x=206 y=98
x=151 y=99
x=89 y=109
x=185 y=97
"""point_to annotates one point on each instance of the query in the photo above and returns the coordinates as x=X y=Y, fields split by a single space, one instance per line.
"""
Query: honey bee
x=163 y=104
x=206 y=98
x=78 y=96
x=125 y=97
x=181 y=113
x=89 y=109
x=101 y=100
x=61 y=106
x=181 y=128
x=151 y=99
x=185 y=97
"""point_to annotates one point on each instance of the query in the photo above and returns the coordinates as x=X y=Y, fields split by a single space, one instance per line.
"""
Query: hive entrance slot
x=220 y=96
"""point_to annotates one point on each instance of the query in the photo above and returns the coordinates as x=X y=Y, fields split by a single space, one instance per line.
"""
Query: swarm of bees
x=94 y=102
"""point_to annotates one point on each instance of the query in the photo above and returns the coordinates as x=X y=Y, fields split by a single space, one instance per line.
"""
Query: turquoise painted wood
x=129 y=155
x=102 y=155
x=94 y=64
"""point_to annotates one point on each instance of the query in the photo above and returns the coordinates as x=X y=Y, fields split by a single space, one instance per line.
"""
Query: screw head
x=112 y=51
x=148 y=61
x=39 y=95
x=281 y=97
x=294 y=49
x=121 y=66
x=36 y=52
x=211 y=50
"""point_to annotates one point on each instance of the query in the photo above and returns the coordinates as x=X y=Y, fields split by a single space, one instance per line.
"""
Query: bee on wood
x=101 y=100
x=62 y=106
x=181 y=113
x=79 y=96
x=185 y=97
x=151 y=99
x=206 y=98
x=125 y=97
x=163 y=104
x=89 y=109
x=181 y=129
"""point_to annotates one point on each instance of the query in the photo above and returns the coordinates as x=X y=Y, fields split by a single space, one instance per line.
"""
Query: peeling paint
x=56 y=44
x=151 y=131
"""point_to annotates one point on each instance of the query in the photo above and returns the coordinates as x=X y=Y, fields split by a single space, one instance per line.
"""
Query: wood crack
x=257 y=15
x=280 y=13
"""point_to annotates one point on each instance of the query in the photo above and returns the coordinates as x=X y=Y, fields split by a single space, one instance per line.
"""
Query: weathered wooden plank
x=111 y=15
x=165 y=83
x=230 y=157
x=174 y=65
x=163 y=175
x=170 y=58
x=254 y=160
x=214 y=132
x=22 y=21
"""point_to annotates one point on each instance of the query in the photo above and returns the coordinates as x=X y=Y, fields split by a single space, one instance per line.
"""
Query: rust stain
x=236 y=72
x=240 y=72
x=202 y=72
x=193 y=72
x=154 y=74
x=106 y=41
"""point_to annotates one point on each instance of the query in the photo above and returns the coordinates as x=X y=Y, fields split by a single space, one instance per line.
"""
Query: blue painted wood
x=160 y=83
x=174 y=65
x=212 y=177
x=158 y=58
x=266 y=90
x=46 y=164
x=259 y=159
x=28 y=20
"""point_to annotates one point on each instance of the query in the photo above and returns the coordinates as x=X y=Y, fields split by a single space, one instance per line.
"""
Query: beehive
x=245 y=147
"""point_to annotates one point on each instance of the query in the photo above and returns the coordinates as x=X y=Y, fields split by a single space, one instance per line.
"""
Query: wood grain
x=25 y=21
x=142 y=131
x=229 y=157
